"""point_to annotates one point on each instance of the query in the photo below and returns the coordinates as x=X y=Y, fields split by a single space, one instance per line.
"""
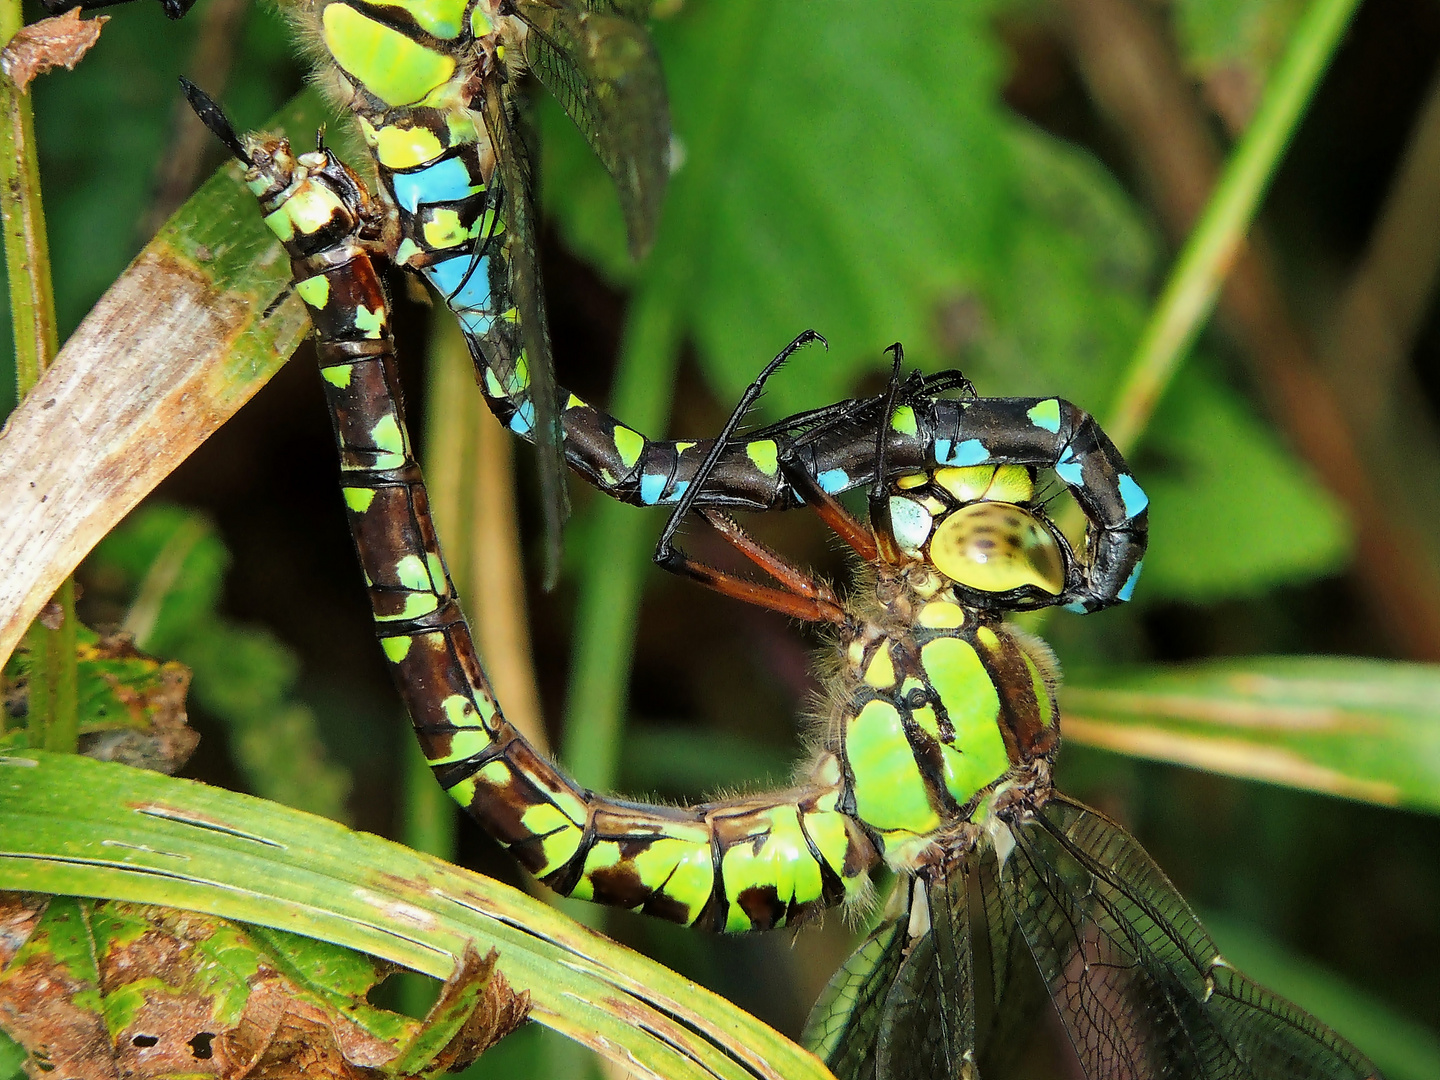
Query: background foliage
x=945 y=175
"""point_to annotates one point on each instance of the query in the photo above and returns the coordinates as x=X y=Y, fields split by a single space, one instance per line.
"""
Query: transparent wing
x=902 y=1007
x=843 y=1025
x=1139 y=984
x=1009 y=994
x=597 y=59
x=928 y=1029
x=528 y=294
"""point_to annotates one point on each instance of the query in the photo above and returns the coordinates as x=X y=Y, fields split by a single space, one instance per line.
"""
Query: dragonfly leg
x=829 y=509
x=799 y=594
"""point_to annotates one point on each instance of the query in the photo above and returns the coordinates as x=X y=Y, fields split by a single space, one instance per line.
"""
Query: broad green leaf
x=169 y=565
x=12 y=1058
x=1358 y=728
x=1232 y=513
x=876 y=189
x=74 y=826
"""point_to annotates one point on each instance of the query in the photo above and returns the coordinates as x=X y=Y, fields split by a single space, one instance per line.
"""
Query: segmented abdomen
x=735 y=865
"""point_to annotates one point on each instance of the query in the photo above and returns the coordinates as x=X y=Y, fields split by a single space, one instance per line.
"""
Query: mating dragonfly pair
x=943 y=725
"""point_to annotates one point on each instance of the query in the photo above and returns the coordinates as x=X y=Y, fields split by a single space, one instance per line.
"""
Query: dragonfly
x=936 y=760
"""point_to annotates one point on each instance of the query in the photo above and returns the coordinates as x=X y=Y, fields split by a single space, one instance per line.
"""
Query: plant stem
x=54 y=685
x=615 y=565
x=1195 y=281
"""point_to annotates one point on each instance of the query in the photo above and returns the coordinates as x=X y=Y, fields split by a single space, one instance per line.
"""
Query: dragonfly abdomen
x=736 y=865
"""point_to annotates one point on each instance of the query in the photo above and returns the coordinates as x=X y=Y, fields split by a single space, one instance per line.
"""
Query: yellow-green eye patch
x=996 y=547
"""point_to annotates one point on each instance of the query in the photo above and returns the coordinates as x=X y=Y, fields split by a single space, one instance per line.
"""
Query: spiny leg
x=800 y=595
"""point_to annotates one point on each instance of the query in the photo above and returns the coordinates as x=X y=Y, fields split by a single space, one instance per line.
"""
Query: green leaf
x=1232 y=512
x=1358 y=728
x=12 y=1058
x=823 y=210
x=131 y=706
x=71 y=825
x=170 y=564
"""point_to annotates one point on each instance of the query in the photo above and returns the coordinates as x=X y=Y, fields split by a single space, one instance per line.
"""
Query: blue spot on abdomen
x=1128 y=589
x=1135 y=500
x=969 y=452
x=652 y=486
x=445 y=181
x=1071 y=472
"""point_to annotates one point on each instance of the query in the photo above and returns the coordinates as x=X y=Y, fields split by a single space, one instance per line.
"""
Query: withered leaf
x=50 y=43
x=108 y=989
x=132 y=706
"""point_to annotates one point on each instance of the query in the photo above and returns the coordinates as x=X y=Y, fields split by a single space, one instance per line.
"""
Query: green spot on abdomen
x=1046 y=415
x=685 y=867
x=405 y=147
x=337 y=375
x=561 y=837
x=315 y=291
x=370 y=323
x=780 y=858
x=278 y=222
x=396 y=648
x=465 y=744
x=763 y=453
x=359 y=499
x=444 y=229
x=903 y=420
x=628 y=445
x=412 y=573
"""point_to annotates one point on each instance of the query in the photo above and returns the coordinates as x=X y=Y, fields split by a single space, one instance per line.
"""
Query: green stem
x=54 y=702
x=616 y=563
x=1199 y=272
x=27 y=251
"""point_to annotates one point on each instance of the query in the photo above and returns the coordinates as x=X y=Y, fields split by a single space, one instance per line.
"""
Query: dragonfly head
x=976 y=526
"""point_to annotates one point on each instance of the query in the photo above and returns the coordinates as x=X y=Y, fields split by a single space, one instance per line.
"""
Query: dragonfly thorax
x=942 y=703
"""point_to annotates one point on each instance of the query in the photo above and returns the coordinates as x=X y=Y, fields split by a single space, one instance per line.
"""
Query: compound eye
x=995 y=547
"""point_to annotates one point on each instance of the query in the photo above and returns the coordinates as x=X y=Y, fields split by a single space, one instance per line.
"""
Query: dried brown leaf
x=49 y=43
x=499 y=1011
x=105 y=989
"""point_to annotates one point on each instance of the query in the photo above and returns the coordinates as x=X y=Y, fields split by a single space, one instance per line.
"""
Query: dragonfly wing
x=597 y=60
x=843 y=1026
x=1141 y=987
x=1009 y=993
x=929 y=1026
x=902 y=1006
x=528 y=294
